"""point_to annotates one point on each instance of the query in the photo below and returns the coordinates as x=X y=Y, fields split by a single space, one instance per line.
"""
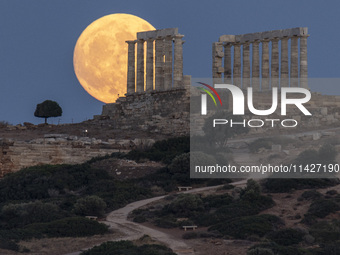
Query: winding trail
x=118 y=220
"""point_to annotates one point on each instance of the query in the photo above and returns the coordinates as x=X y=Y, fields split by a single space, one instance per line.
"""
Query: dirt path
x=118 y=220
x=132 y=231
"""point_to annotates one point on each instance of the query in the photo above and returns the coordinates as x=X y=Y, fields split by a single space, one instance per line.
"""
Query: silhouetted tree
x=48 y=109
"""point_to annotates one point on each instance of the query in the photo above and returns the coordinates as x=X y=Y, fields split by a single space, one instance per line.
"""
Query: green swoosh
x=208 y=92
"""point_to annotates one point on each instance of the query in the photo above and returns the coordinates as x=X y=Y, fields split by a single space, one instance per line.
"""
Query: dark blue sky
x=37 y=38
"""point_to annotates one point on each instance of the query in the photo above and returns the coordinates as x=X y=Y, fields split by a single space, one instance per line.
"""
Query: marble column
x=265 y=65
x=178 y=61
x=284 y=63
x=255 y=81
x=149 y=65
x=227 y=63
x=140 y=66
x=217 y=69
x=294 y=61
x=168 y=63
x=159 y=64
x=303 y=62
x=246 y=66
x=131 y=80
x=275 y=65
x=237 y=65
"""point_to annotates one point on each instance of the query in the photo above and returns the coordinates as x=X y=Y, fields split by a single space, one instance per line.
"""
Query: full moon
x=100 y=55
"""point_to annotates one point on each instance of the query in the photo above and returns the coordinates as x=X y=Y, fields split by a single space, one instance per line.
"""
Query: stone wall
x=59 y=149
x=165 y=112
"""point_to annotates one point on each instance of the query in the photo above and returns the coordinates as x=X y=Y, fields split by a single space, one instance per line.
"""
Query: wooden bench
x=189 y=227
x=91 y=217
x=184 y=188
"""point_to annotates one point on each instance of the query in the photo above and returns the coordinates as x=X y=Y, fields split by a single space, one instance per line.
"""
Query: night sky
x=37 y=38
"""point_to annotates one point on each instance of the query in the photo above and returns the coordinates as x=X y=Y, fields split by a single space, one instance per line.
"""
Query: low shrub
x=216 y=201
x=227 y=187
x=127 y=247
x=9 y=245
x=331 y=192
x=166 y=222
x=326 y=232
x=310 y=195
x=185 y=205
x=286 y=237
x=199 y=158
x=323 y=207
x=260 y=251
x=279 y=249
x=165 y=150
x=19 y=215
x=139 y=219
x=69 y=227
x=250 y=225
x=90 y=205
x=258 y=144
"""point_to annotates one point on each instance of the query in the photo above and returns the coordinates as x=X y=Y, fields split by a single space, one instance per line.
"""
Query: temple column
x=255 y=66
x=168 y=63
x=140 y=66
x=149 y=65
x=265 y=65
x=159 y=64
x=284 y=63
x=246 y=66
x=227 y=63
x=294 y=59
x=237 y=65
x=178 y=61
x=217 y=69
x=131 y=80
x=275 y=66
x=303 y=62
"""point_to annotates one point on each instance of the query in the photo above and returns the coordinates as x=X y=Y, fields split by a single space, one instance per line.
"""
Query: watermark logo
x=204 y=97
x=239 y=99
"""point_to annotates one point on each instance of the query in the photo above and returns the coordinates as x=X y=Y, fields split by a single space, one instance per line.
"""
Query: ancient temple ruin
x=160 y=67
x=158 y=94
x=157 y=98
x=233 y=63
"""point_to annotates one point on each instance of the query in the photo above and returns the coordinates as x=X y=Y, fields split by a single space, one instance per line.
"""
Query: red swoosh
x=213 y=90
